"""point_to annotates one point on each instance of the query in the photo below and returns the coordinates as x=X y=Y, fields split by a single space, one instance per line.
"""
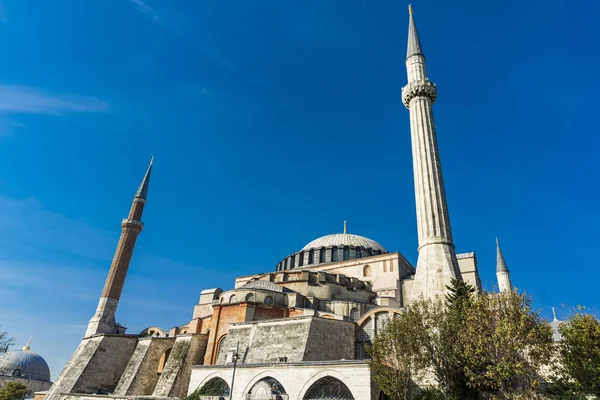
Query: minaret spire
x=502 y=272
x=437 y=264
x=103 y=320
x=414 y=43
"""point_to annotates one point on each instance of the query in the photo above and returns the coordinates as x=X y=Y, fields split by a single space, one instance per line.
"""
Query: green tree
x=13 y=391
x=5 y=341
x=395 y=358
x=579 y=354
x=505 y=344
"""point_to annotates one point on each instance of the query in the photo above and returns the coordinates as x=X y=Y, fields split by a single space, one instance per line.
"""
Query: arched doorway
x=266 y=389
x=328 y=388
x=214 y=387
x=163 y=360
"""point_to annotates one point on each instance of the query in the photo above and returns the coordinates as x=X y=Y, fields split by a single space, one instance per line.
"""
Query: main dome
x=344 y=239
x=333 y=248
x=26 y=364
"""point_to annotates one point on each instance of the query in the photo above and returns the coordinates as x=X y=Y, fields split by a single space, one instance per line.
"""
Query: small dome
x=344 y=239
x=26 y=364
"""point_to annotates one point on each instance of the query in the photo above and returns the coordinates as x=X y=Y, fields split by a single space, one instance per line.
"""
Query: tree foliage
x=579 y=354
x=13 y=391
x=426 y=339
x=394 y=358
x=214 y=387
x=487 y=344
x=505 y=344
x=5 y=341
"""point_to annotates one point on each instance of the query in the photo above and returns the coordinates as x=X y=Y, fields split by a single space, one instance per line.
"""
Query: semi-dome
x=26 y=364
x=344 y=239
x=332 y=248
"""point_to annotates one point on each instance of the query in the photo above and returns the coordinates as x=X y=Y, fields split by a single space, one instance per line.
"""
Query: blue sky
x=272 y=122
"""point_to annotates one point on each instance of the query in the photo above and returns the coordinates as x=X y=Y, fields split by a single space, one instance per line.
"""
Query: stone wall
x=187 y=351
x=98 y=362
x=141 y=374
x=291 y=339
x=295 y=378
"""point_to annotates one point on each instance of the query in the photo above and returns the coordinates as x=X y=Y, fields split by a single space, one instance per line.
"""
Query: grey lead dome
x=344 y=239
x=26 y=364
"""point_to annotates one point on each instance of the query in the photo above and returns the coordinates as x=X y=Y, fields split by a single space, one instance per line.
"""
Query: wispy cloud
x=150 y=13
x=53 y=231
x=17 y=99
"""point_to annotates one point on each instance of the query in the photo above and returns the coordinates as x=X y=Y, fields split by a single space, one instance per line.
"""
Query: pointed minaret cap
x=554 y=314
x=500 y=263
x=414 y=44
x=143 y=189
x=27 y=348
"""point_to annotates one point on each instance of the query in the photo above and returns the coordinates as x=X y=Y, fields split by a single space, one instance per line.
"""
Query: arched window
x=346 y=253
x=292 y=259
x=249 y=297
x=322 y=253
x=311 y=257
x=367 y=270
x=214 y=387
x=268 y=301
x=266 y=388
x=220 y=345
x=328 y=388
x=391 y=266
x=334 y=254
x=163 y=361
x=354 y=314
x=233 y=298
x=300 y=259
x=358 y=253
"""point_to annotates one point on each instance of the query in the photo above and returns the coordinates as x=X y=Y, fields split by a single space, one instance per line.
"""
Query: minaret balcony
x=131 y=223
x=420 y=88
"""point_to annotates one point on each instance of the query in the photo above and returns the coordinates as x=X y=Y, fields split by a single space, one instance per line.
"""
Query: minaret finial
x=345 y=227
x=554 y=313
x=410 y=11
x=27 y=348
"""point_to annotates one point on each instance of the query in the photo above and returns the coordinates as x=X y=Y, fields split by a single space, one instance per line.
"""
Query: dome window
x=268 y=301
x=322 y=255
x=334 y=254
x=311 y=257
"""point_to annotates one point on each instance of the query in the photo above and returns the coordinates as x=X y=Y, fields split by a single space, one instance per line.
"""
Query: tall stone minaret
x=502 y=272
x=104 y=319
x=437 y=263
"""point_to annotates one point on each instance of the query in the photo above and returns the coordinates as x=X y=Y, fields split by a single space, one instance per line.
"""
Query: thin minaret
x=502 y=272
x=436 y=264
x=103 y=320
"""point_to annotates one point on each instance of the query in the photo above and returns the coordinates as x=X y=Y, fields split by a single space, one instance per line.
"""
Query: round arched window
x=269 y=301
x=250 y=297
x=233 y=298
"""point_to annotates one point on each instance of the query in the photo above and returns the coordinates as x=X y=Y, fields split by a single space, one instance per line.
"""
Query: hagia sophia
x=298 y=332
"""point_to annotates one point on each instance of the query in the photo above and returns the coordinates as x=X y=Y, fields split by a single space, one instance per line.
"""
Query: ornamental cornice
x=415 y=89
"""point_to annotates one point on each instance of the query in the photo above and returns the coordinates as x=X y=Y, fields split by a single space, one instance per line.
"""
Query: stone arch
x=368 y=326
x=233 y=298
x=265 y=374
x=219 y=346
x=215 y=386
x=214 y=375
x=354 y=314
x=163 y=360
x=264 y=386
x=250 y=297
x=367 y=270
x=310 y=384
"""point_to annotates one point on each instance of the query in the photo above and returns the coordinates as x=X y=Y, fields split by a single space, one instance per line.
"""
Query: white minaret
x=437 y=263
x=502 y=272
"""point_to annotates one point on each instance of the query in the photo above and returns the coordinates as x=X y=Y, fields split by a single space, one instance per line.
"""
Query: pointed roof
x=414 y=43
x=500 y=263
x=143 y=189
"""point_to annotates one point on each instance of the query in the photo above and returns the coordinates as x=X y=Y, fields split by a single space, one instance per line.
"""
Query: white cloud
x=17 y=99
